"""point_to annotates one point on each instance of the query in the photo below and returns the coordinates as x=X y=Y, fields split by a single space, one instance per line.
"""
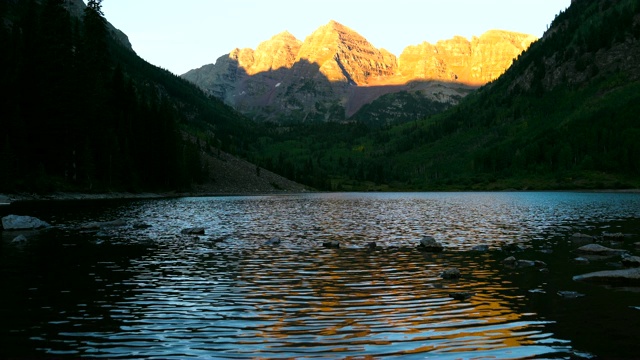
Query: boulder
x=599 y=250
x=19 y=222
x=372 y=245
x=193 y=231
x=450 y=274
x=429 y=244
x=624 y=276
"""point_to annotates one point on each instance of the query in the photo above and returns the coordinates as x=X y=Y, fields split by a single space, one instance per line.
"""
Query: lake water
x=143 y=289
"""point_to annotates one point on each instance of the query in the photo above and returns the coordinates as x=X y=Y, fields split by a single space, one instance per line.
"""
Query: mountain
x=336 y=71
x=563 y=116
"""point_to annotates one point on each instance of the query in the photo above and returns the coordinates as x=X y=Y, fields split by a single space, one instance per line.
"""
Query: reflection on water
x=146 y=290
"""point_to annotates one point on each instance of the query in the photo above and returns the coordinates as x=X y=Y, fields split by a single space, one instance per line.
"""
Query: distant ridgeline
x=82 y=112
x=563 y=116
x=335 y=72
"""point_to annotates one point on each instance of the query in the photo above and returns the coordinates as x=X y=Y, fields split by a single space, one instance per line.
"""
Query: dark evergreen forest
x=72 y=118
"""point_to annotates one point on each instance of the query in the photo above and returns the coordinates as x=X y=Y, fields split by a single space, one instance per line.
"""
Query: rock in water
x=193 y=231
x=462 y=295
x=451 y=273
x=581 y=261
x=274 y=241
x=626 y=276
x=570 y=294
x=428 y=243
x=631 y=261
x=581 y=238
x=481 y=248
x=18 y=222
x=333 y=244
x=20 y=239
x=595 y=249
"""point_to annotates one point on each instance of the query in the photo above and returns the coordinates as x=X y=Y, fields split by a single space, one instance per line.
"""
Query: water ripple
x=232 y=294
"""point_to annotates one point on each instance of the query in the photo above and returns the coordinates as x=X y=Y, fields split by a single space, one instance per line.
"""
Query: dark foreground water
x=144 y=290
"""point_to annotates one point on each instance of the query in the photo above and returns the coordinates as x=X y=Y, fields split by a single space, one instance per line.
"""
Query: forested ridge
x=83 y=113
x=564 y=116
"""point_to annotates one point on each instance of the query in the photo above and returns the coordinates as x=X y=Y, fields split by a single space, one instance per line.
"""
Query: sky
x=187 y=34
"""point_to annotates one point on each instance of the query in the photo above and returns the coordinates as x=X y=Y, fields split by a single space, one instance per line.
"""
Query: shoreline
x=8 y=199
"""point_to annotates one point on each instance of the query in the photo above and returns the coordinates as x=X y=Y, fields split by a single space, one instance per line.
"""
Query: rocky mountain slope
x=335 y=71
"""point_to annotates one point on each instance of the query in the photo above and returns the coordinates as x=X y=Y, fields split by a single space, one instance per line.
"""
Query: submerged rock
x=461 y=295
x=274 y=241
x=570 y=294
x=581 y=260
x=525 y=263
x=625 y=276
x=20 y=239
x=481 y=248
x=610 y=236
x=104 y=224
x=512 y=248
x=429 y=244
x=333 y=244
x=193 y=231
x=596 y=249
x=631 y=261
x=19 y=222
x=581 y=238
x=451 y=273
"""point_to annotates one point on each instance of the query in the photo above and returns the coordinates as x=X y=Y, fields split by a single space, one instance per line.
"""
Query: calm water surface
x=145 y=290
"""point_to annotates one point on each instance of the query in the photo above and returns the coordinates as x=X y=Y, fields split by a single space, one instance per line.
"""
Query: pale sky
x=187 y=34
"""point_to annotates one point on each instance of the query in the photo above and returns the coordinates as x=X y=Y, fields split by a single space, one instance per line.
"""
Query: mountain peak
x=284 y=35
x=345 y=56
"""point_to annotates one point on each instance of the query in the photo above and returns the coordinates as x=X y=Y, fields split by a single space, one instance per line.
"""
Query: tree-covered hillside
x=81 y=112
x=564 y=116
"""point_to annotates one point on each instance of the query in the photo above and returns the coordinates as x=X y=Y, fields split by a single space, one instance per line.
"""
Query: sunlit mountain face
x=335 y=71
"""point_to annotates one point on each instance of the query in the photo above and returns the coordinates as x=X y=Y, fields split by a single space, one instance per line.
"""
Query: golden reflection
x=355 y=296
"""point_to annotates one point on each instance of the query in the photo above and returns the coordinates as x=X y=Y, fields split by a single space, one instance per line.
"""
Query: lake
x=121 y=279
